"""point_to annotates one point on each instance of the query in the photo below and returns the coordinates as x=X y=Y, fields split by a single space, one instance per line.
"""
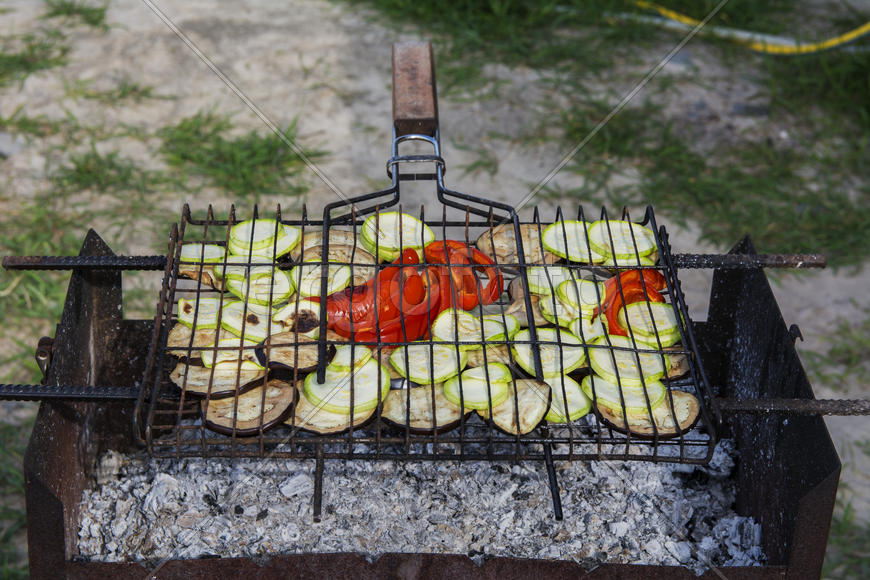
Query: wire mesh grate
x=244 y=381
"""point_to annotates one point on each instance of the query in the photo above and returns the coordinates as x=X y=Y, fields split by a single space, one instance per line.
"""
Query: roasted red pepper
x=632 y=292
x=466 y=291
x=405 y=294
x=627 y=288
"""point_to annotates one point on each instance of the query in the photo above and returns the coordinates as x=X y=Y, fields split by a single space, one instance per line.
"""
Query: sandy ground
x=329 y=65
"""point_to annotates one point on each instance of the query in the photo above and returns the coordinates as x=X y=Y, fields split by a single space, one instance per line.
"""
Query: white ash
x=618 y=512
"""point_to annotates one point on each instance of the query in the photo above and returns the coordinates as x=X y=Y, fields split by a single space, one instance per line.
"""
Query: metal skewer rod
x=796 y=406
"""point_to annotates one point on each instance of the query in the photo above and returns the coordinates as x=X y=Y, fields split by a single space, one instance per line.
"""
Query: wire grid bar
x=171 y=416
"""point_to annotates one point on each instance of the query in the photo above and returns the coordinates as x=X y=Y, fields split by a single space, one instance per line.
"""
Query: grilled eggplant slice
x=299 y=315
x=685 y=408
x=179 y=340
x=518 y=310
x=679 y=363
x=291 y=351
x=383 y=357
x=226 y=380
x=533 y=399
x=420 y=417
x=206 y=275
x=499 y=243
x=313 y=238
x=307 y=416
x=363 y=262
x=494 y=353
x=229 y=348
x=250 y=411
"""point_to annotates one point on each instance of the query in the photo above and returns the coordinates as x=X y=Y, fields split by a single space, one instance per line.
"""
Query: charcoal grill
x=128 y=363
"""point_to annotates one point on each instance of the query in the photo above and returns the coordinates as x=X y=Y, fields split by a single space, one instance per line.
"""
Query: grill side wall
x=788 y=468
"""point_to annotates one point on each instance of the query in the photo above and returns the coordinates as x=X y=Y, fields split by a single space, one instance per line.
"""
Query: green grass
x=847 y=357
x=104 y=172
x=13 y=440
x=20 y=123
x=848 y=553
x=31 y=301
x=834 y=84
x=23 y=55
x=247 y=166
x=750 y=187
x=90 y=14
x=575 y=35
x=125 y=90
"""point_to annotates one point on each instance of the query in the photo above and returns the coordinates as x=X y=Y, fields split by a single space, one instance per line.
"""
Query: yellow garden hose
x=759 y=42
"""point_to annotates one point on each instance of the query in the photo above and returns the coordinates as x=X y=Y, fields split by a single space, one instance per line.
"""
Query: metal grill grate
x=170 y=416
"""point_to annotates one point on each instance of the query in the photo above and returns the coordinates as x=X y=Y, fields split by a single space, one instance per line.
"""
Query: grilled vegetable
x=291 y=351
x=499 y=243
x=653 y=323
x=557 y=312
x=581 y=295
x=621 y=239
x=239 y=267
x=476 y=387
x=179 y=340
x=363 y=388
x=203 y=273
x=350 y=356
x=264 y=286
x=532 y=399
x=421 y=418
x=270 y=251
x=306 y=279
x=458 y=326
x=229 y=348
x=361 y=263
x=424 y=366
x=203 y=312
x=223 y=379
x=559 y=355
x=260 y=233
x=686 y=409
x=578 y=403
x=382 y=355
x=517 y=309
x=307 y=416
x=622 y=362
x=568 y=239
x=498 y=327
x=302 y=316
x=629 y=287
x=252 y=320
x=545 y=279
x=387 y=234
x=314 y=237
x=202 y=253
x=407 y=297
x=494 y=353
x=466 y=291
x=679 y=363
x=587 y=329
x=244 y=416
x=606 y=393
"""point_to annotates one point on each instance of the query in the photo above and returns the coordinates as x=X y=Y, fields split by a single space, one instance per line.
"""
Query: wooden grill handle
x=415 y=100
